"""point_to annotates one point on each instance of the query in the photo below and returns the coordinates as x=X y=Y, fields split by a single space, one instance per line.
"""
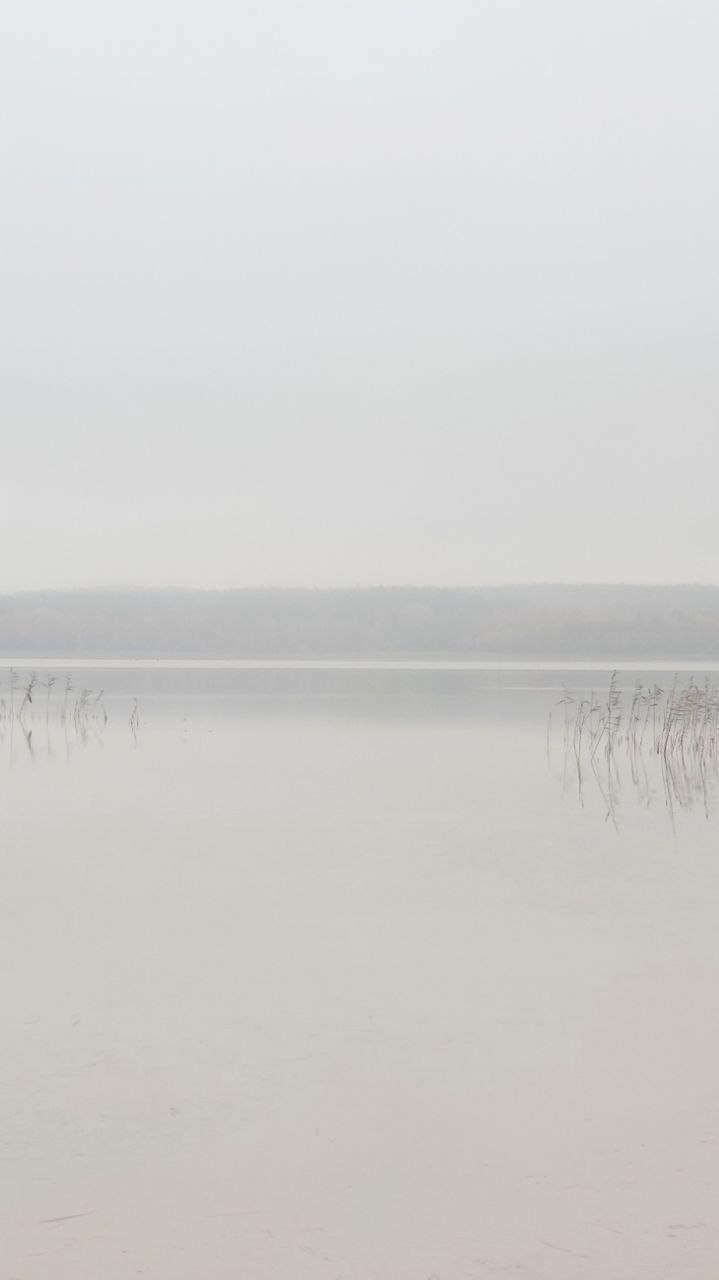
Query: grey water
x=328 y=970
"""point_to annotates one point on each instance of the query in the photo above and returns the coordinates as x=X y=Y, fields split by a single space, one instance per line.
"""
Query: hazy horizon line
x=520 y=584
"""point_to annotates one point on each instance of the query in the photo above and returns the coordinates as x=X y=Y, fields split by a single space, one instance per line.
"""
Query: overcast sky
x=359 y=291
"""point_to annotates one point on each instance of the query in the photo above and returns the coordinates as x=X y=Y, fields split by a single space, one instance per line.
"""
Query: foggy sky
x=372 y=291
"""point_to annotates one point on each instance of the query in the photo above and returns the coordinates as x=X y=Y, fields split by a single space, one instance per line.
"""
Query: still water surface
x=330 y=975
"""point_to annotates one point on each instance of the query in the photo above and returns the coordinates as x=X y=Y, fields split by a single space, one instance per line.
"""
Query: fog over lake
x=327 y=972
x=359 y=640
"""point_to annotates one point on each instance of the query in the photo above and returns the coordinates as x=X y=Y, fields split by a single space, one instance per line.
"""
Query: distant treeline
x=604 y=622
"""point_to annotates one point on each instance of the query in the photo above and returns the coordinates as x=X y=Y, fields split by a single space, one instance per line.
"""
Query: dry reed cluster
x=678 y=729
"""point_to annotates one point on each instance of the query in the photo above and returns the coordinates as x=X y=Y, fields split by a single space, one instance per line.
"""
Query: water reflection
x=50 y=716
x=665 y=742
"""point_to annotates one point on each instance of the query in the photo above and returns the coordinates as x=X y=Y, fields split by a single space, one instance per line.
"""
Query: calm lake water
x=325 y=972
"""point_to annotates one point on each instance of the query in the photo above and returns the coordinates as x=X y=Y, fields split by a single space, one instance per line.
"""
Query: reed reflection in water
x=46 y=713
x=663 y=741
